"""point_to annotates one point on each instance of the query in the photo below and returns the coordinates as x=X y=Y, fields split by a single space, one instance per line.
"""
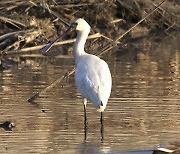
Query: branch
x=29 y=49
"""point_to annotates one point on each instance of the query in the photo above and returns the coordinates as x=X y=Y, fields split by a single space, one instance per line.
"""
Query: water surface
x=143 y=110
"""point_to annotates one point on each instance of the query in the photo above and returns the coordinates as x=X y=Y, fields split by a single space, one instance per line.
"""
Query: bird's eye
x=75 y=24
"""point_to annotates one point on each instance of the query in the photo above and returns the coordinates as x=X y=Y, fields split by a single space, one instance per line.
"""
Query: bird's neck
x=78 y=49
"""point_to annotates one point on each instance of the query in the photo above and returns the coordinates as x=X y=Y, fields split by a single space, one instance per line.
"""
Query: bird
x=92 y=74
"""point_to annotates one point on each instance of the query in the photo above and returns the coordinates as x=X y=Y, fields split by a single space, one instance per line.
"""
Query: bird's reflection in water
x=93 y=148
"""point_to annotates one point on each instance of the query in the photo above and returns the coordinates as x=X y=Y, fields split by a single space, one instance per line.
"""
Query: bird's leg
x=102 y=127
x=85 y=103
x=85 y=118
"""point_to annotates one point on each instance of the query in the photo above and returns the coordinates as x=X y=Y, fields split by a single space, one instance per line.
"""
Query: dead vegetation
x=26 y=24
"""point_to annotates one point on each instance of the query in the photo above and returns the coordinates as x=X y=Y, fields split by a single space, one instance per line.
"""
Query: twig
x=55 y=14
x=116 y=21
x=100 y=52
x=70 y=5
x=37 y=55
x=104 y=49
x=30 y=49
x=12 y=33
x=103 y=36
x=67 y=74
x=12 y=22
x=25 y=36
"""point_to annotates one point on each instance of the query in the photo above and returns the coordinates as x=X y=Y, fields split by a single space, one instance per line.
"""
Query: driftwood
x=100 y=52
x=35 y=48
x=13 y=40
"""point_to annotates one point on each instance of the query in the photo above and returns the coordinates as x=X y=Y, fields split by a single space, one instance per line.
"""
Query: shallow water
x=143 y=110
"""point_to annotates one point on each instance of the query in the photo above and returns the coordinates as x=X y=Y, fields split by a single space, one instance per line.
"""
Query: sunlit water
x=143 y=111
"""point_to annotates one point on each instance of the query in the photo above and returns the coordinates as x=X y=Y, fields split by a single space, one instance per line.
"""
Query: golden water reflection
x=143 y=110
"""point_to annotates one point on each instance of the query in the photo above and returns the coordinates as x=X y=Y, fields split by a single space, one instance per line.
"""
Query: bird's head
x=79 y=25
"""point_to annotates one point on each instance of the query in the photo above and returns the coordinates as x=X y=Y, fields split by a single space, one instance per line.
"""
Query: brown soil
x=31 y=23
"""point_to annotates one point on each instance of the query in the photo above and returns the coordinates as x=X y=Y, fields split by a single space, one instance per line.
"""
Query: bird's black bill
x=47 y=47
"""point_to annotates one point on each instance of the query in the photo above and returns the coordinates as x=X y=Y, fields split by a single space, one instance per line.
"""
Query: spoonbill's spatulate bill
x=92 y=75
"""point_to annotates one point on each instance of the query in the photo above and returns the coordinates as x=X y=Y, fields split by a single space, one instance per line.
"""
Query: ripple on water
x=143 y=110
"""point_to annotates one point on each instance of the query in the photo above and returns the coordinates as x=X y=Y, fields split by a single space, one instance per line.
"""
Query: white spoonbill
x=92 y=74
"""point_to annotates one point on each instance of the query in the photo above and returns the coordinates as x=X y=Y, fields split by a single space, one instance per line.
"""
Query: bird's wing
x=92 y=82
x=87 y=83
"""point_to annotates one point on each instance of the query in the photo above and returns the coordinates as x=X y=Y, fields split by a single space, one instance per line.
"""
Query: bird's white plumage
x=94 y=83
x=92 y=75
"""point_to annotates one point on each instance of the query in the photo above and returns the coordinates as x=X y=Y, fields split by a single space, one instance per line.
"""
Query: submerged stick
x=100 y=52
x=67 y=74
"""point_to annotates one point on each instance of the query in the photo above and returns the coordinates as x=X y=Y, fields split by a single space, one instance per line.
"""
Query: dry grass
x=30 y=23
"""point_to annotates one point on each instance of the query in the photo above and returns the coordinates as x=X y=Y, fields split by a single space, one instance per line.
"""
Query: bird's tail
x=101 y=108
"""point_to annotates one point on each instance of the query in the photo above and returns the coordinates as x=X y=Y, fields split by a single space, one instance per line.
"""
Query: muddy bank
x=32 y=23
